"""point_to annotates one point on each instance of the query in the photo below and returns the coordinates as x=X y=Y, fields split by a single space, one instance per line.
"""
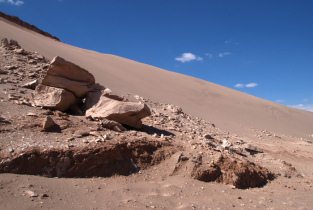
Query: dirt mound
x=122 y=158
x=240 y=173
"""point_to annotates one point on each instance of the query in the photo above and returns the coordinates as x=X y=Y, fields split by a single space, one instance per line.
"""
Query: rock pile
x=68 y=87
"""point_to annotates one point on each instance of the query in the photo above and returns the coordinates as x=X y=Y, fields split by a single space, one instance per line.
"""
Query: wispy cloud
x=248 y=85
x=188 y=57
x=239 y=85
x=13 y=2
x=307 y=107
x=252 y=85
x=223 y=54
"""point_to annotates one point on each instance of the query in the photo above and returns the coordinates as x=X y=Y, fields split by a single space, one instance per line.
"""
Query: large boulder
x=53 y=98
x=127 y=113
x=69 y=76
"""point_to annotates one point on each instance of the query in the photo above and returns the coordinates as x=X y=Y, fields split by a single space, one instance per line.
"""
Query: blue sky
x=262 y=47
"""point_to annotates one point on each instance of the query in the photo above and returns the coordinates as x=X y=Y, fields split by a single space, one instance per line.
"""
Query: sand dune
x=228 y=109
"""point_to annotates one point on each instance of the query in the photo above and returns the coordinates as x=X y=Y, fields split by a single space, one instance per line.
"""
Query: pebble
x=31 y=194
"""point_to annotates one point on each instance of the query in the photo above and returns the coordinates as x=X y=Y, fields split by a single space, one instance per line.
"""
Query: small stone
x=70 y=139
x=98 y=140
x=31 y=85
x=106 y=137
x=82 y=133
x=10 y=67
x=31 y=114
x=20 y=51
x=225 y=144
x=49 y=125
x=11 y=150
x=253 y=149
x=31 y=194
x=3 y=71
x=44 y=195
x=32 y=62
x=208 y=136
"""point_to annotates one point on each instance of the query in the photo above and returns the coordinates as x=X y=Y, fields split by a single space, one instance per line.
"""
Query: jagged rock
x=4 y=121
x=69 y=76
x=20 y=51
x=14 y=43
x=112 y=125
x=49 y=125
x=53 y=98
x=31 y=85
x=128 y=113
x=4 y=43
x=253 y=149
x=94 y=95
x=12 y=67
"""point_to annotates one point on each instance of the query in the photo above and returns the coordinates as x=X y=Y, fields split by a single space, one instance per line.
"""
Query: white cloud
x=307 y=107
x=187 y=57
x=223 y=54
x=239 y=85
x=13 y=2
x=248 y=85
x=251 y=85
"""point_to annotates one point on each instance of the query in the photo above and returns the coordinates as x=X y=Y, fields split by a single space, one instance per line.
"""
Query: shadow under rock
x=153 y=130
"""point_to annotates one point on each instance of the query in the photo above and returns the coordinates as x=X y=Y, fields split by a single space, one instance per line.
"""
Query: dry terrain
x=203 y=146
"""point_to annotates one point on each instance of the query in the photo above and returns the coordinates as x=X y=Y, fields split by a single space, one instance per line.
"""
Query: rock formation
x=128 y=113
x=53 y=98
x=69 y=76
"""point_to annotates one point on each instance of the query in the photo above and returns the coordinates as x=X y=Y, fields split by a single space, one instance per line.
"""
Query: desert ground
x=203 y=146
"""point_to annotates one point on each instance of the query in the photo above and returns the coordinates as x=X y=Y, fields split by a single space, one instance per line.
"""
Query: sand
x=284 y=135
x=227 y=108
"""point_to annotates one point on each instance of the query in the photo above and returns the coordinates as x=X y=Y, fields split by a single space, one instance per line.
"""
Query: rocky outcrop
x=69 y=76
x=53 y=98
x=66 y=85
x=127 y=113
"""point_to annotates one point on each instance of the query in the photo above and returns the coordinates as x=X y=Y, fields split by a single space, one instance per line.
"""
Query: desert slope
x=227 y=108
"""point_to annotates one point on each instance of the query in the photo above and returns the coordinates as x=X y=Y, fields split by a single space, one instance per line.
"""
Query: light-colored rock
x=20 y=51
x=69 y=76
x=128 y=113
x=53 y=98
x=31 y=85
x=48 y=124
x=31 y=194
x=94 y=95
x=226 y=144
x=31 y=114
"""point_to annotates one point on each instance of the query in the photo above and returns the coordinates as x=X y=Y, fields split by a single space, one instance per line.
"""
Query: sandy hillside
x=227 y=108
x=202 y=146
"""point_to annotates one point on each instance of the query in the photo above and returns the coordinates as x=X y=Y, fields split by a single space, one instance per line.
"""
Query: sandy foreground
x=283 y=136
